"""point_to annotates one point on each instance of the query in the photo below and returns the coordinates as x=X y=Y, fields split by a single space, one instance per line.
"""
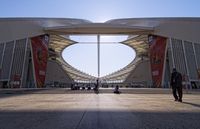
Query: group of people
x=96 y=88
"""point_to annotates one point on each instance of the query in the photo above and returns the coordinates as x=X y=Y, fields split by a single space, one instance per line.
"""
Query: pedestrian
x=116 y=91
x=96 y=88
x=176 y=84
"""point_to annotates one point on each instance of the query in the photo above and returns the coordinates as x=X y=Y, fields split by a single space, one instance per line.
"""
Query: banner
x=157 y=46
x=40 y=54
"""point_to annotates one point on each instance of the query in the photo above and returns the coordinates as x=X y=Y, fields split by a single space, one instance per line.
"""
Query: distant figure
x=97 y=83
x=96 y=88
x=186 y=82
x=176 y=84
x=72 y=86
x=116 y=91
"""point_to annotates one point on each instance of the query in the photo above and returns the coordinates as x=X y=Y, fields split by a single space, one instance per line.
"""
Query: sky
x=113 y=55
x=99 y=11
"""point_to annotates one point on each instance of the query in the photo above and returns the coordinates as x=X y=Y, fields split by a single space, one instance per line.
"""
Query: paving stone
x=45 y=110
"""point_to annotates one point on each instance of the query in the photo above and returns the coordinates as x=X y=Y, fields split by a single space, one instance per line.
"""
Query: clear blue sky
x=100 y=11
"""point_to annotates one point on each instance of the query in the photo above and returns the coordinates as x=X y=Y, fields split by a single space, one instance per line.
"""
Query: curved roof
x=58 y=44
x=138 y=43
x=47 y=22
x=99 y=28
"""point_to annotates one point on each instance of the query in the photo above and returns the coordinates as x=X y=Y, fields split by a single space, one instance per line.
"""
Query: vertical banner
x=40 y=54
x=157 y=46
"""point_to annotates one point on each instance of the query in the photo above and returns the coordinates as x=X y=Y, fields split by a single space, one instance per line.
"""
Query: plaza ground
x=66 y=109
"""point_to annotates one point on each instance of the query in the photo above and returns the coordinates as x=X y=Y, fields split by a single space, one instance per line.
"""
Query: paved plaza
x=64 y=109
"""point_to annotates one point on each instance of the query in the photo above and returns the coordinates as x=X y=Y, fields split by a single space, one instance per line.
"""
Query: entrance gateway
x=30 y=51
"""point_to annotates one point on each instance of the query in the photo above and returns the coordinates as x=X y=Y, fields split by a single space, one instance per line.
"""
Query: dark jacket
x=176 y=79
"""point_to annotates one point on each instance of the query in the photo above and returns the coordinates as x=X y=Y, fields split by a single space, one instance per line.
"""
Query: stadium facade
x=31 y=51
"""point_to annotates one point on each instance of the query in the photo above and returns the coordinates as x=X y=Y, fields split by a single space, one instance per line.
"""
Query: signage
x=40 y=54
x=157 y=46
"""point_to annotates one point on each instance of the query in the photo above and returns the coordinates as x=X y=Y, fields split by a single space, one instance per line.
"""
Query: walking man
x=176 y=84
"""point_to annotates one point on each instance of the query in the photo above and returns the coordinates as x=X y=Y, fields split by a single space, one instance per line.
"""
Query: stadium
x=31 y=51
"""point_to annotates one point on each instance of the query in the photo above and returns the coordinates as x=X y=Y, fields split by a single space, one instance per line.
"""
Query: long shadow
x=192 y=104
x=98 y=119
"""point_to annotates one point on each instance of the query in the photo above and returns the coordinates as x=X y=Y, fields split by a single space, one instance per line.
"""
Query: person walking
x=96 y=88
x=176 y=84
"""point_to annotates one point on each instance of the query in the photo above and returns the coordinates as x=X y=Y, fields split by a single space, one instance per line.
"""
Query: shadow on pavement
x=192 y=104
x=4 y=93
x=97 y=119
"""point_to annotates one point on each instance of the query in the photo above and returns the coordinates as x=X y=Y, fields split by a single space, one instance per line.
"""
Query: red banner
x=40 y=54
x=157 y=56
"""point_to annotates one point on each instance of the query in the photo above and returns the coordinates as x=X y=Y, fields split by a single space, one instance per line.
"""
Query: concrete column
x=170 y=42
x=98 y=54
x=22 y=75
x=12 y=61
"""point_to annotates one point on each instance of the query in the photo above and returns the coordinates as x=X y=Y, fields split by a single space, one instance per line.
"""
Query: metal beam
x=98 y=54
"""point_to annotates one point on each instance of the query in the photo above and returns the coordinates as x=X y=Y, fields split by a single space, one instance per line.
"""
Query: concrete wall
x=184 y=30
x=55 y=73
x=14 y=30
x=141 y=73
